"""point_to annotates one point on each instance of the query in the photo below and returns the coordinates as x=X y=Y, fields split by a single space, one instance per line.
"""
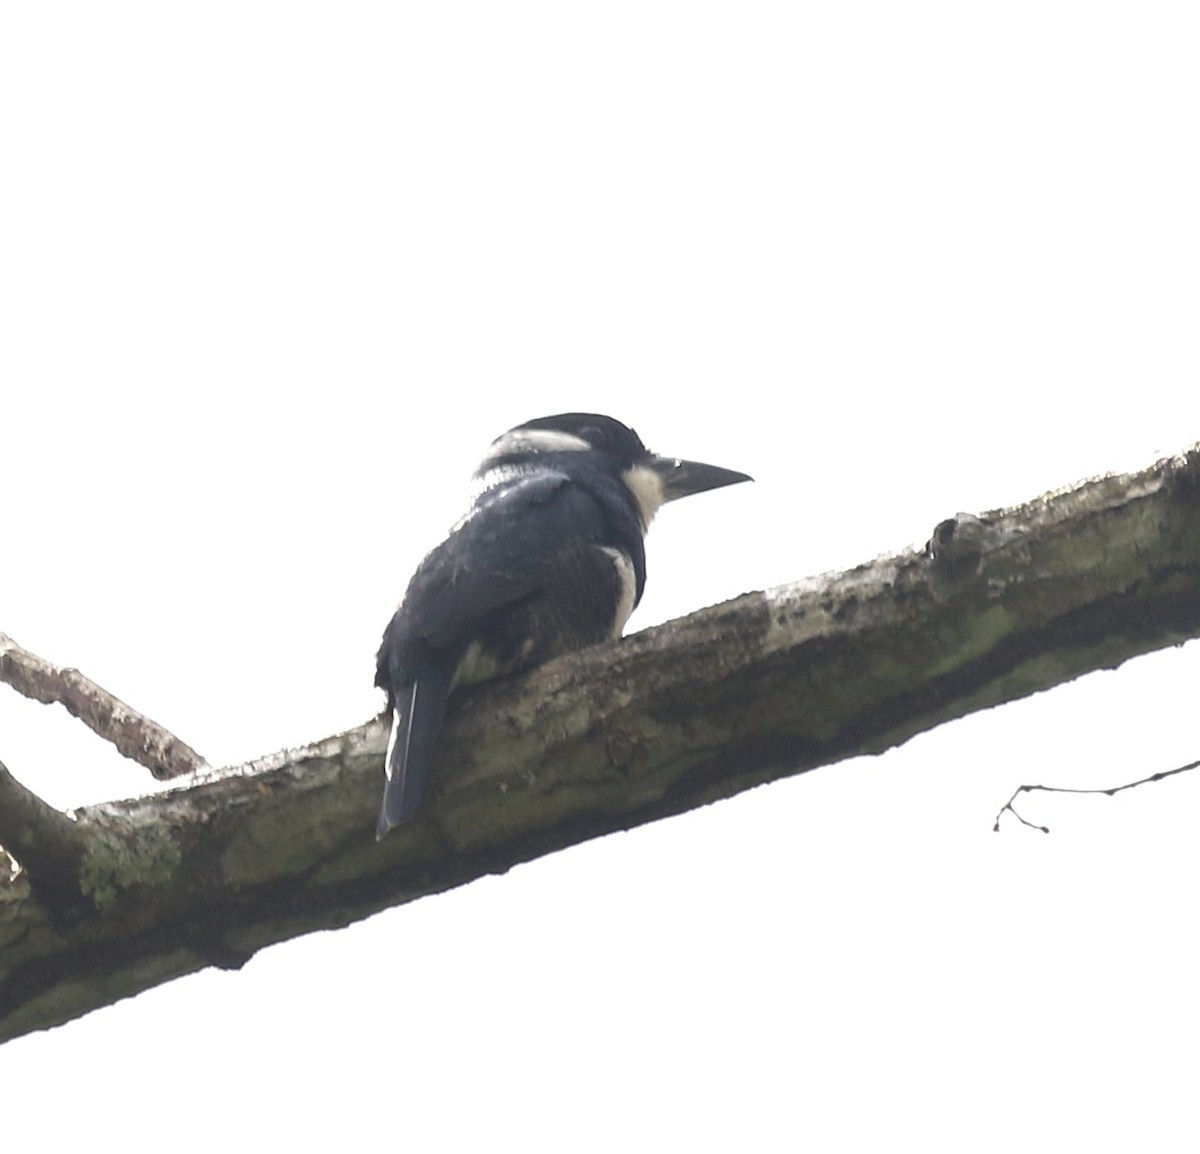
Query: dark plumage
x=549 y=558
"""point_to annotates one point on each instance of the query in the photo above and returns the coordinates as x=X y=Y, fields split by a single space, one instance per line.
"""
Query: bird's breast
x=626 y=580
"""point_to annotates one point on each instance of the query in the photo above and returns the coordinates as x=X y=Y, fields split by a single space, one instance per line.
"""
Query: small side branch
x=135 y=736
x=1111 y=791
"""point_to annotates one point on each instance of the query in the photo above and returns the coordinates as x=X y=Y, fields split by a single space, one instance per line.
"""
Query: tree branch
x=135 y=736
x=46 y=842
x=762 y=687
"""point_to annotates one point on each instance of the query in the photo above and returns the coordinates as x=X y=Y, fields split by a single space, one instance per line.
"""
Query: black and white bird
x=549 y=558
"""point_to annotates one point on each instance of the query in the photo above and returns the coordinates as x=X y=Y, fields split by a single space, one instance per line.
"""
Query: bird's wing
x=504 y=551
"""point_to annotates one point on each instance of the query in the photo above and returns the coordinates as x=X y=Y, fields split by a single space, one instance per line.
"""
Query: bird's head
x=575 y=441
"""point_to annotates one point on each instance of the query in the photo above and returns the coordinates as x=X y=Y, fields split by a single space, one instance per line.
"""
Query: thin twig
x=135 y=736
x=1114 y=789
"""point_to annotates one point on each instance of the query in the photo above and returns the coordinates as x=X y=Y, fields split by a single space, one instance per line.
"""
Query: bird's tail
x=417 y=713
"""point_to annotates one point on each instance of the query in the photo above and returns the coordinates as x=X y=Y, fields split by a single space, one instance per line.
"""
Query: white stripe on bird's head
x=523 y=442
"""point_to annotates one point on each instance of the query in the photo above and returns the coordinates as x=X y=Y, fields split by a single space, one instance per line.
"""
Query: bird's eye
x=594 y=435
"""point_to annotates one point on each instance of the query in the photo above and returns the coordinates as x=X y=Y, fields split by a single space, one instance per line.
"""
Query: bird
x=548 y=558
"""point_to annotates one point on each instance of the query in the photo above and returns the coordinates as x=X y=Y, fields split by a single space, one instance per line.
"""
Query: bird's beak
x=683 y=478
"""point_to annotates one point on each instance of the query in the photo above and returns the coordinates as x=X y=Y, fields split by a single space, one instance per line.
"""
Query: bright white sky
x=274 y=274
